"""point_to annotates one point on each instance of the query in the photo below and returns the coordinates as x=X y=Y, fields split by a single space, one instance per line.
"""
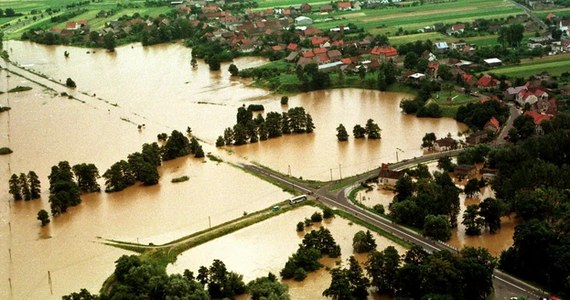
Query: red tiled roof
x=386 y=51
x=341 y=5
x=317 y=41
x=486 y=81
x=346 y=61
x=538 y=118
x=292 y=47
x=493 y=122
x=312 y=31
x=320 y=50
x=308 y=54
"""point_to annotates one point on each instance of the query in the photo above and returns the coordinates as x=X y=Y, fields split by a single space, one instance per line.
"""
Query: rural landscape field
x=284 y=149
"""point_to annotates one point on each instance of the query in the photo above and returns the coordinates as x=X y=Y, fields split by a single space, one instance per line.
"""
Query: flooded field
x=157 y=87
x=254 y=251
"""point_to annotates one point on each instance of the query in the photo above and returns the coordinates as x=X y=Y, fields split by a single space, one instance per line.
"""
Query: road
x=505 y=284
x=531 y=15
x=514 y=113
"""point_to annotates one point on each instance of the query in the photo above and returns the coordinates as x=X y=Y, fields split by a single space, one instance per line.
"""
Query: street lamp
x=398 y=149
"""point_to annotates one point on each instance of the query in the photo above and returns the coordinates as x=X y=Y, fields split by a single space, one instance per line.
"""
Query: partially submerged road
x=506 y=284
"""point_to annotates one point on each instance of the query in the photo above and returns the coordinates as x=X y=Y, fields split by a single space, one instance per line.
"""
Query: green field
x=19 y=25
x=389 y=19
x=560 y=12
x=555 y=65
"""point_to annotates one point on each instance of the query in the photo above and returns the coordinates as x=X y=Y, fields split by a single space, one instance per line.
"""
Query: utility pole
x=289 y=170
x=50 y=285
x=331 y=174
x=340 y=170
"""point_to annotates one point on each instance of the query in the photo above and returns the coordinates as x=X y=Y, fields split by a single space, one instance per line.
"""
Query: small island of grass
x=180 y=179
x=19 y=89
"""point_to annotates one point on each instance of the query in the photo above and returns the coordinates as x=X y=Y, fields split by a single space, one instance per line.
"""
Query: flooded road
x=156 y=86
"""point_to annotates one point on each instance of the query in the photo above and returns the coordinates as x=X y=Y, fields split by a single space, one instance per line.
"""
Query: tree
x=523 y=128
x=348 y=283
x=43 y=217
x=382 y=268
x=472 y=221
x=437 y=227
x=358 y=282
x=359 y=132
x=316 y=217
x=273 y=123
x=411 y=60
x=109 y=42
x=328 y=212
x=428 y=139
x=300 y=226
x=476 y=267
x=214 y=63
x=70 y=83
x=35 y=185
x=445 y=164
x=404 y=188
x=491 y=211
x=268 y=288
x=341 y=134
x=372 y=129
x=15 y=189
x=363 y=242
x=284 y=100
x=25 y=187
x=143 y=170
x=64 y=192
x=340 y=285
x=87 y=175
x=176 y=145
x=511 y=35
x=82 y=295
x=285 y=123
x=471 y=188
x=233 y=69
x=310 y=126
x=228 y=136
x=118 y=177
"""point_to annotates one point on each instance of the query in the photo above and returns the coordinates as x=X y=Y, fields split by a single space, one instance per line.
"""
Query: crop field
x=559 y=12
x=555 y=65
x=390 y=19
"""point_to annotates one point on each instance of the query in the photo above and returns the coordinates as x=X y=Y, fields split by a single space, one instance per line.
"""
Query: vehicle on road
x=297 y=199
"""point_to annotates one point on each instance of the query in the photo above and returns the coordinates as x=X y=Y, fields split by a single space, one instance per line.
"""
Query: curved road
x=503 y=282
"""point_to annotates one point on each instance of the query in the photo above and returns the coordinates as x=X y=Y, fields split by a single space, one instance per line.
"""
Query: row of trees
x=64 y=191
x=371 y=131
x=295 y=120
x=416 y=275
x=476 y=115
x=25 y=187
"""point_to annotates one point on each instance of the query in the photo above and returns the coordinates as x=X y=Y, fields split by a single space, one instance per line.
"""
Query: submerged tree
x=14 y=188
x=87 y=175
x=35 y=185
x=43 y=217
x=341 y=133
x=372 y=129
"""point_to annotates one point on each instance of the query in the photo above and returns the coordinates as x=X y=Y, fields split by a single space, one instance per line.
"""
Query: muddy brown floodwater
x=157 y=87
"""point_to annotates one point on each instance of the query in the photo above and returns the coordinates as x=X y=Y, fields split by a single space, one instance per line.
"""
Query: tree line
x=295 y=120
x=136 y=278
x=24 y=186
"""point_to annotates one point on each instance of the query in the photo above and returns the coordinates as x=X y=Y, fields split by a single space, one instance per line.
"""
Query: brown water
x=255 y=251
x=156 y=86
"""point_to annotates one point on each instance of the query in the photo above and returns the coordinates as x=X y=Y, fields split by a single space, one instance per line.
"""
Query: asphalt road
x=505 y=286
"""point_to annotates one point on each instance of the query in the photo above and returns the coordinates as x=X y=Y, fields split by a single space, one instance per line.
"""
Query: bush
x=317 y=217
x=300 y=226
x=328 y=213
x=308 y=222
x=5 y=150
x=180 y=179
x=300 y=274
x=255 y=107
x=70 y=83
x=284 y=100
x=379 y=208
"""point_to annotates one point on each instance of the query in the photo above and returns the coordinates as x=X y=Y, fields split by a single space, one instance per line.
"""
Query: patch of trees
x=24 y=186
x=533 y=180
x=486 y=214
x=420 y=105
x=315 y=244
x=139 y=166
x=476 y=115
x=295 y=120
x=511 y=35
x=473 y=155
x=417 y=203
x=523 y=128
x=311 y=78
x=8 y=13
x=363 y=242
x=418 y=275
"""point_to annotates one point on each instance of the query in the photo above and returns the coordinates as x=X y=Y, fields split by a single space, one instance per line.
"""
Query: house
x=493 y=62
x=292 y=57
x=319 y=41
x=441 y=47
x=477 y=137
x=326 y=8
x=334 y=55
x=456 y=29
x=546 y=106
x=292 y=47
x=311 y=31
x=492 y=125
x=464 y=171
x=487 y=82
x=538 y=118
x=564 y=24
x=330 y=66
x=511 y=93
x=303 y=21
x=383 y=52
x=445 y=144
x=388 y=177
x=530 y=96
x=469 y=79
x=341 y=5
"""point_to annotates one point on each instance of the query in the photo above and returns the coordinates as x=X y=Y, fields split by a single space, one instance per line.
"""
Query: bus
x=297 y=199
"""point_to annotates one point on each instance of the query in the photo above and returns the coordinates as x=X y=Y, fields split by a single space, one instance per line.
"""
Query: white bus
x=297 y=199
